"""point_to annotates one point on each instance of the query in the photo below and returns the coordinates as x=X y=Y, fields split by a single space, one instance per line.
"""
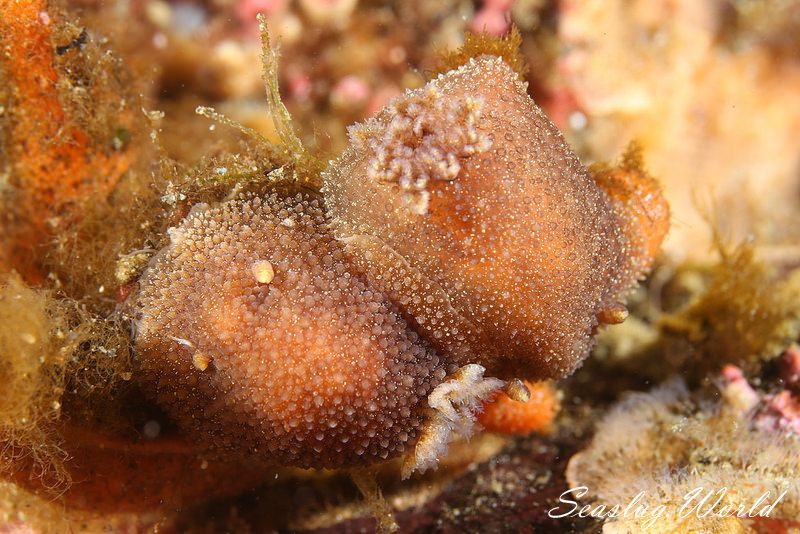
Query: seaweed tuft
x=480 y=44
x=746 y=315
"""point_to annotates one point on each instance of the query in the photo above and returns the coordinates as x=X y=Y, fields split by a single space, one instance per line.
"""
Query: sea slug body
x=258 y=336
x=516 y=256
x=456 y=247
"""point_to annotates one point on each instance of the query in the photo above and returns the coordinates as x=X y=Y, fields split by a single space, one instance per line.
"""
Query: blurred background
x=711 y=89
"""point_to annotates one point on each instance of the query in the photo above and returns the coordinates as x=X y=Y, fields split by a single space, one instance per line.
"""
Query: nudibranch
x=464 y=202
x=458 y=235
x=259 y=336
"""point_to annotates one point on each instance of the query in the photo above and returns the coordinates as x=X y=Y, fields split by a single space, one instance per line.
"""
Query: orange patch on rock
x=54 y=164
x=117 y=475
x=507 y=416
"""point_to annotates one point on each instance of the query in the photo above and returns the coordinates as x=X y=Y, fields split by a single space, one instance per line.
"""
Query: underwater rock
x=712 y=101
x=675 y=449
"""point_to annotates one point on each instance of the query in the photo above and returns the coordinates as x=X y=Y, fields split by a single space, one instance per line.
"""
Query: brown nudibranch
x=458 y=234
x=465 y=186
x=258 y=335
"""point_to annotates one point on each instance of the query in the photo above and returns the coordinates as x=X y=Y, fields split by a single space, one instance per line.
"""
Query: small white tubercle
x=454 y=404
x=263 y=272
